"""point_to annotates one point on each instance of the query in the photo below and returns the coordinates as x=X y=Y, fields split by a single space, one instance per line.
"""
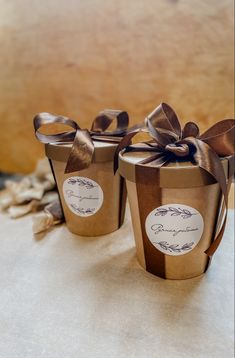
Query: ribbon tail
x=208 y=160
x=108 y=139
x=81 y=153
x=223 y=213
x=157 y=160
x=123 y=144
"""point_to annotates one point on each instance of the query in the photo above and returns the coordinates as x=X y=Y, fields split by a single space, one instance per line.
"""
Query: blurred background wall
x=76 y=57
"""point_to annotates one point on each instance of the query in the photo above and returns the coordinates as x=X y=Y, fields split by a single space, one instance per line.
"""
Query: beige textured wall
x=77 y=57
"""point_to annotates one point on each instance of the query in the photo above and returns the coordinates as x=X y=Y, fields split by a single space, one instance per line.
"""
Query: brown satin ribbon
x=149 y=196
x=169 y=141
x=82 y=139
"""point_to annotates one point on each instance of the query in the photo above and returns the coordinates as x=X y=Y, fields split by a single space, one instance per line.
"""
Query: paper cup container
x=174 y=214
x=93 y=199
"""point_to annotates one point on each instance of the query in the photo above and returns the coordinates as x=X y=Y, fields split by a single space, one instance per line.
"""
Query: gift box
x=92 y=198
x=177 y=193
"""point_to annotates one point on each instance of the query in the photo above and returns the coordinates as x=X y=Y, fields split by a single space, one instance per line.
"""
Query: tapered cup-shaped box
x=174 y=211
x=93 y=199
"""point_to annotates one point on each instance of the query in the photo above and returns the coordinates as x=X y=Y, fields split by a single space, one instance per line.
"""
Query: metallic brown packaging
x=178 y=183
x=109 y=216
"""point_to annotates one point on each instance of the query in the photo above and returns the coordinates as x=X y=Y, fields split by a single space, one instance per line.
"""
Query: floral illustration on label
x=83 y=196
x=174 y=229
x=184 y=213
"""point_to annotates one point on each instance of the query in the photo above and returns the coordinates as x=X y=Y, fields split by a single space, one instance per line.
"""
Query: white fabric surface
x=68 y=296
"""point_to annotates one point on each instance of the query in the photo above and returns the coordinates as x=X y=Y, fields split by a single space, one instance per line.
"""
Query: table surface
x=68 y=296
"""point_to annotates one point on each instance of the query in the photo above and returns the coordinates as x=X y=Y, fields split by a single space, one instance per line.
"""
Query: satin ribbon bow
x=82 y=139
x=169 y=141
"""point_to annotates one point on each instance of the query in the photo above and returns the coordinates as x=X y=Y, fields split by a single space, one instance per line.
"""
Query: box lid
x=177 y=174
x=104 y=151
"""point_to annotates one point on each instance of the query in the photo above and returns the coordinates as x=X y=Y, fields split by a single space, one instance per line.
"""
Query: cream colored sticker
x=83 y=196
x=174 y=229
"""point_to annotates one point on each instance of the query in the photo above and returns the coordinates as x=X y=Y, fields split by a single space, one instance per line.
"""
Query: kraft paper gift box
x=176 y=203
x=92 y=197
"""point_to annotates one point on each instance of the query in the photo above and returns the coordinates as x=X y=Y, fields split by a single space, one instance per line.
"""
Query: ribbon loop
x=165 y=117
x=102 y=122
x=163 y=125
x=44 y=118
x=190 y=130
x=220 y=137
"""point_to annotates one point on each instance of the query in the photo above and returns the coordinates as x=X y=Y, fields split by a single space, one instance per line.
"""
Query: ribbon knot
x=178 y=147
x=180 y=150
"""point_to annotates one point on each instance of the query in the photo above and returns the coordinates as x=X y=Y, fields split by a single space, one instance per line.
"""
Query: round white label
x=174 y=229
x=83 y=196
